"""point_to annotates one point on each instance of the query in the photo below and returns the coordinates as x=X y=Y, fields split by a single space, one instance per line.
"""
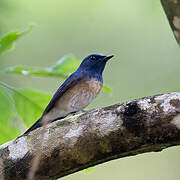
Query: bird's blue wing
x=70 y=82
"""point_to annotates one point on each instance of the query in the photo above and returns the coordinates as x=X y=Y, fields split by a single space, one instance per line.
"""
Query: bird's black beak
x=106 y=58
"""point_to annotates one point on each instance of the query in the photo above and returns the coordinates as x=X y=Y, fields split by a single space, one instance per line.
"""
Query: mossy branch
x=84 y=140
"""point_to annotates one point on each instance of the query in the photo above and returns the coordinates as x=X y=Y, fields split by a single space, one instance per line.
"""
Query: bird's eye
x=93 y=58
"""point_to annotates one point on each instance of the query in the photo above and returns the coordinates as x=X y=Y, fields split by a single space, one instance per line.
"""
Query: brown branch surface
x=134 y=127
x=172 y=10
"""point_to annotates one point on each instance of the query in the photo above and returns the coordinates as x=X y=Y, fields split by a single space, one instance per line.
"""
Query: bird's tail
x=38 y=124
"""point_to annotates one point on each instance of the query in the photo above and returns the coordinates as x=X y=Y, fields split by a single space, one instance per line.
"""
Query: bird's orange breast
x=85 y=92
x=94 y=86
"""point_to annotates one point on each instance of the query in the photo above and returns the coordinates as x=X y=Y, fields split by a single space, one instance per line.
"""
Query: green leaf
x=37 y=71
x=8 y=130
x=7 y=41
x=63 y=68
x=30 y=104
x=66 y=64
x=27 y=103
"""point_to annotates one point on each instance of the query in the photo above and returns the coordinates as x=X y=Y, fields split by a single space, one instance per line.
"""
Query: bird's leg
x=79 y=109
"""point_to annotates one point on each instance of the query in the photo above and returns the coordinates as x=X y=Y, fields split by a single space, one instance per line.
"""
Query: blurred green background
x=146 y=62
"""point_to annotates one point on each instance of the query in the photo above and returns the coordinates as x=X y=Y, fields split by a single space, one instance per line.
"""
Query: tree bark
x=84 y=140
x=172 y=10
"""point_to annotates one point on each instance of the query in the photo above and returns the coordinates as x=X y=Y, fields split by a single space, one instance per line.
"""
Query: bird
x=77 y=91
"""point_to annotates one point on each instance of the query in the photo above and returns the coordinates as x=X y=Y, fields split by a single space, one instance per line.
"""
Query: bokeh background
x=146 y=62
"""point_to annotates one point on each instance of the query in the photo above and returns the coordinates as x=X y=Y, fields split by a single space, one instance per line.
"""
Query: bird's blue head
x=94 y=63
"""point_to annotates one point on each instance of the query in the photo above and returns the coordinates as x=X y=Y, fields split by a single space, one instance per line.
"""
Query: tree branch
x=172 y=10
x=134 y=127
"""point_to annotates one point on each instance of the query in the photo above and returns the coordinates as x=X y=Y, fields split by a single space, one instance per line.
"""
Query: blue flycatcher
x=77 y=91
